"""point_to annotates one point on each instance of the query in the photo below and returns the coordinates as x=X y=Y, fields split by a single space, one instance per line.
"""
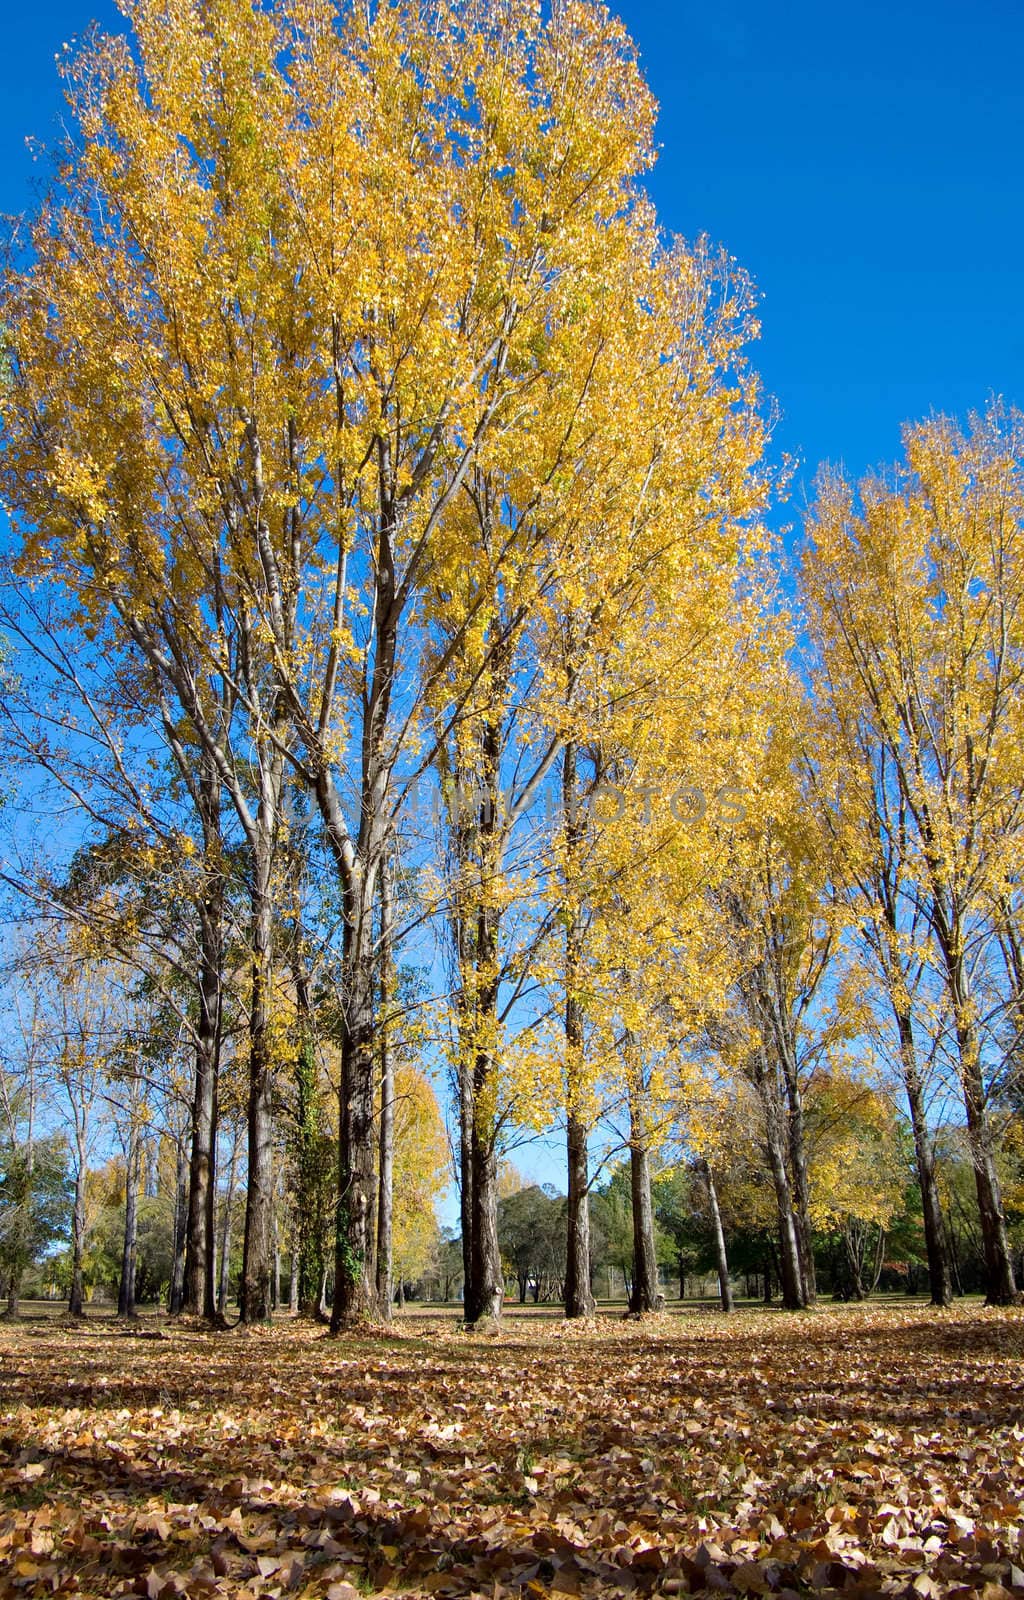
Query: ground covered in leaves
x=861 y=1451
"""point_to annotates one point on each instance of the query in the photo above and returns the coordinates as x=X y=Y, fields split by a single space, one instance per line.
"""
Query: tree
x=917 y=591
x=531 y=1230
x=421 y=1172
x=35 y=1202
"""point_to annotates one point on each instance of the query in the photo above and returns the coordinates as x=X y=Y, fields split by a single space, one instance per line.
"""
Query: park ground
x=855 y=1451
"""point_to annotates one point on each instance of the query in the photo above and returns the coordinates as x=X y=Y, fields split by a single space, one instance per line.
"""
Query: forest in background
x=403 y=694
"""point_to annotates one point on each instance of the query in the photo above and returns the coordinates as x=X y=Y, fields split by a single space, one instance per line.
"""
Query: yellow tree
x=856 y=1169
x=916 y=593
x=645 y=627
x=421 y=1173
x=301 y=264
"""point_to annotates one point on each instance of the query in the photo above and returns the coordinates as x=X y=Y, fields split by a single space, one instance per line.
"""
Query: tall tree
x=917 y=587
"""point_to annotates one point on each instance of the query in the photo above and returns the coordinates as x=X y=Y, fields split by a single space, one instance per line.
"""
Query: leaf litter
x=861 y=1451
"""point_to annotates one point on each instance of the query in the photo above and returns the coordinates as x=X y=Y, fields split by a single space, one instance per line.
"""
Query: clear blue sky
x=864 y=162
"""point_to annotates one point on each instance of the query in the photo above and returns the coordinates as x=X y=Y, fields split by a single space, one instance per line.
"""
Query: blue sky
x=863 y=162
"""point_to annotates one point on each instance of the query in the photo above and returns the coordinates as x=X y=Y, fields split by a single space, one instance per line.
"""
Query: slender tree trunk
x=225 y=1230
x=22 y=1224
x=309 y=1245
x=488 y=1281
x=1000 y=1286
x=854 y=1262
x=176 y=1293
x=355 y=1295
x=800 y=1183
x=466 y=1212
x=257 y=1247
x=579 y=1298
x=939 y=1283
x=276 y=1296
x=790 y=1271
x=129 y=1252
x=202 y=1199
x=76 y=1298
x=359 y=861
x=645 y=1291
x=199 y=1299
x=385 y=1189
x=488 y=1278
x=876 y=1271
x=721 y=1256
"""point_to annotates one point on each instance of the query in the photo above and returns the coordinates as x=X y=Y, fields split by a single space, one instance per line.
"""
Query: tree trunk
x=257 y=1246
x=76 y=1298
x=129 y=1252
x=18 y=1266
x=1000 y=1287
x=854 y=1262
x=225 y=1230
x=790 y=1271
x=355 y=1295
x=385 y=1189
x=800 y=1184
x=579 y=1298
x=721 y=1256
x=199 y=1299
x=939 y=1283
x=466 y=1211
x=488 y=1279
x=358 y=862
x=645 y=1292
x=308 y=1242
x=176 y=1292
